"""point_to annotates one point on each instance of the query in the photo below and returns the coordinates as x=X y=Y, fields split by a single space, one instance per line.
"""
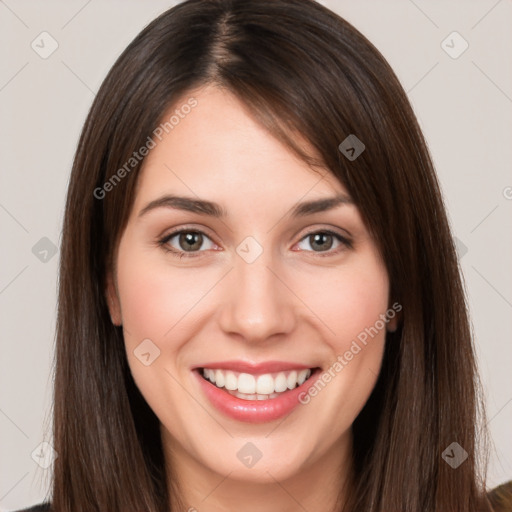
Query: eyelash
x=163 y=242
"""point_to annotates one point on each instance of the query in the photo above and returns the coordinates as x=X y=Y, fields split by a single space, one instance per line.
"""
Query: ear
x=114 y=305
x=392 y=324
x=394 y=315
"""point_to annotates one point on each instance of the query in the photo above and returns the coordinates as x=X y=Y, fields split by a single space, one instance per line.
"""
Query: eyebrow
x=209 y=208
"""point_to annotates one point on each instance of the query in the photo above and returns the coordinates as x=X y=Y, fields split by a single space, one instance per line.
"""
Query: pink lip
x=255 y=411
x=254 y=368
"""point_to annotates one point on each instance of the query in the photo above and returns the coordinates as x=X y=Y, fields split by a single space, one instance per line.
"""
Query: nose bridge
x=257 y=305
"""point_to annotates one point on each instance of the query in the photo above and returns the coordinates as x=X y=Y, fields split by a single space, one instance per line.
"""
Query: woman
x=260 y=304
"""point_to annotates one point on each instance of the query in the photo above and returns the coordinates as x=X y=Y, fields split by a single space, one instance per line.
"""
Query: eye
x=189 y=242
x=323 y=241
x=186 y=241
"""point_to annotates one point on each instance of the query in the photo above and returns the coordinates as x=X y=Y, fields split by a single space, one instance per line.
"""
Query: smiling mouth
x=247 y=386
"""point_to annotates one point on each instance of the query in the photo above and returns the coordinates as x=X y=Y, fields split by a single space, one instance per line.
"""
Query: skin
x=298 y=301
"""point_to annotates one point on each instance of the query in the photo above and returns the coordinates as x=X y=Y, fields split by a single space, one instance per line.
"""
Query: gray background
x=464 y=107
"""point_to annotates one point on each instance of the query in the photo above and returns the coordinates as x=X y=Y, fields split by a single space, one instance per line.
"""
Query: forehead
x=218 y=150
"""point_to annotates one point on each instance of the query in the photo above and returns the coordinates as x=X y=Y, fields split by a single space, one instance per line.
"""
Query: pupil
x=320 y=238
x=188 y=238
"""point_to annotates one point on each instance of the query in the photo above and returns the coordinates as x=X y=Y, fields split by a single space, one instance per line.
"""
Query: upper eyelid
x=186 y=229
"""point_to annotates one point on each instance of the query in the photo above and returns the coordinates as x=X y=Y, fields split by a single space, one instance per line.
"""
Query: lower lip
x=255 y=411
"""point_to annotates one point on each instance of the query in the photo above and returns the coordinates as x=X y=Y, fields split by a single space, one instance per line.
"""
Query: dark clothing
x=43 y=507
x=500 y=498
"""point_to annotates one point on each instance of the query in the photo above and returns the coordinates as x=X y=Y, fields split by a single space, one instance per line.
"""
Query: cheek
x=347 y=301
x=350 y=305
x=155 y=299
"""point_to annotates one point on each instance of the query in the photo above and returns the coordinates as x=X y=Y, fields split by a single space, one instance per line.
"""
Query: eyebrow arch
x=320 y=205
x=212 y=209
x=189 y=204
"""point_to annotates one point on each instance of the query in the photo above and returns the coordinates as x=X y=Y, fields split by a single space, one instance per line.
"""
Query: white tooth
x=219 y=378
x=274 y=395
x=231 y=381
x=251 y=386
x=292 y=380
x=280 y=383
x=302 y=376
x=246 y=397
x=262 y=397
x=246 y=383
x=265 y=384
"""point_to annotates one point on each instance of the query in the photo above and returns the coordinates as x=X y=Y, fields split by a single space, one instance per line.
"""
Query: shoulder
x=500 y=497
x=43 y=507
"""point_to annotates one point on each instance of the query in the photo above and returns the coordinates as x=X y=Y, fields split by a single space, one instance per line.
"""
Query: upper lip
x=254 y=368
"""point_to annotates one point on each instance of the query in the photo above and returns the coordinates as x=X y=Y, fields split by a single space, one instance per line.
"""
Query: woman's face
x=268 y=281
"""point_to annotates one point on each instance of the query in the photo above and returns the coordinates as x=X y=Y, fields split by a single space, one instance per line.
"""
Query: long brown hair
x=300 y=69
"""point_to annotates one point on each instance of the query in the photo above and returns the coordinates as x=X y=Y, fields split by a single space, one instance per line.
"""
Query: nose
x=257 y=304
